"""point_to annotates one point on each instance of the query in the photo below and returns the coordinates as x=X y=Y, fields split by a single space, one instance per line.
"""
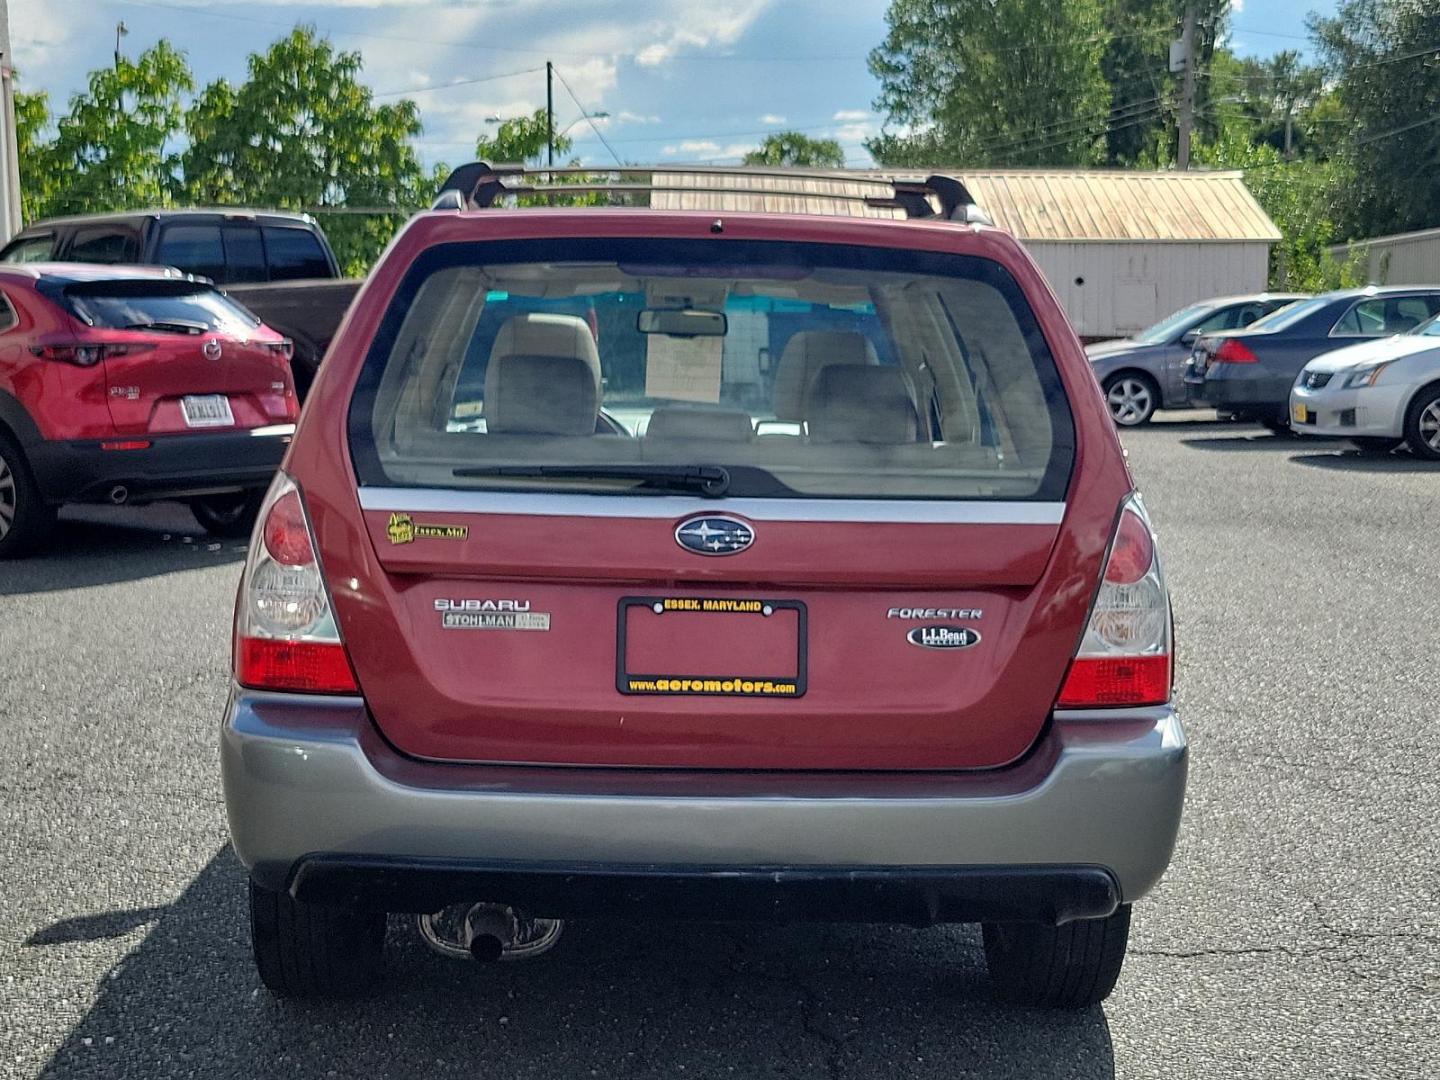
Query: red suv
x=125 y=384
x=750 y=565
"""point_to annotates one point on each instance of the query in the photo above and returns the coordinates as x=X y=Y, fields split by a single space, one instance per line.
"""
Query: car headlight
x=1366 y=376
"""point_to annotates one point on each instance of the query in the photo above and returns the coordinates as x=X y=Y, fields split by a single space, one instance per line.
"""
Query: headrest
x=700 y=423
x=805 y=354
x=543 y=377
x=862 y=405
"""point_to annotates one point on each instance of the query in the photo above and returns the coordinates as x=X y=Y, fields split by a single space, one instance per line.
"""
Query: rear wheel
x=230 y=515
x=1065 y=967
x=25 y=519
x=313 y=950
x=1422 y=423
x=1375 y=444
x=1132 y=398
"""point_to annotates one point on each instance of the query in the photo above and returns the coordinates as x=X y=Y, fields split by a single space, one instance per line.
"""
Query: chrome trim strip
x=272 y=429
x=909 y=512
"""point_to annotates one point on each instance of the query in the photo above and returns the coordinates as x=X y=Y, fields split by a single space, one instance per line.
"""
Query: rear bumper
x=1239 y=387
x=321 y=806
x=172 y=466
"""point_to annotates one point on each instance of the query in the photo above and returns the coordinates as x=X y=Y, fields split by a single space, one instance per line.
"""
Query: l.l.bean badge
x=404 y=529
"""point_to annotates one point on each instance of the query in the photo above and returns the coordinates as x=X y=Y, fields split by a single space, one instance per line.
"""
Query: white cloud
x=627 y=117
x=690 y=26
x=851 y=115
x=1237 y=6
x=39 y=36
x=772 y=120
x=854 y=133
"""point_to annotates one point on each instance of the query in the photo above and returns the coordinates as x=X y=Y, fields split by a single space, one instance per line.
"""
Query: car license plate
x=207 y=410
x=1300 y=413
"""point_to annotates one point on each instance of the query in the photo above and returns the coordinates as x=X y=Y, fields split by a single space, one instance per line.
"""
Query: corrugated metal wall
x=1115 y=289
x=1405 y=260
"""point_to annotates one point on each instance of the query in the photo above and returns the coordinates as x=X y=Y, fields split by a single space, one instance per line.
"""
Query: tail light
x=1125 y=656
x=286 y=637
x=1234 y=351
x=86 y=353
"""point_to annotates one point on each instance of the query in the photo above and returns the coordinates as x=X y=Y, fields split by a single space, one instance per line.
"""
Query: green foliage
x=975 y=82
x=1384 y=56
x=521 y=140
x=1135 y=64
x=39 y=178
x=115 y=147
x=302 y=131
x=794 y=148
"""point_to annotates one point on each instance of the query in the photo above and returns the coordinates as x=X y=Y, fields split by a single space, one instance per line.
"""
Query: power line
x=457 y=82
x=589 y=119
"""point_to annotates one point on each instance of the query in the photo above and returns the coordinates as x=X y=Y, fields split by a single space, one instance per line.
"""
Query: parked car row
x=1362 y=364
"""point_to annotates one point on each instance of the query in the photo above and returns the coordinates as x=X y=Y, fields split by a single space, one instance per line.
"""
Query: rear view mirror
x=682 y=322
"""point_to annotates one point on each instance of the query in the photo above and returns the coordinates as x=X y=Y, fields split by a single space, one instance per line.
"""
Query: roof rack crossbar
x=479 y=185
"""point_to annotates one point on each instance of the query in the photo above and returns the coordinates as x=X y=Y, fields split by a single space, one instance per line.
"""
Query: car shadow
x=1259 y=440
x=103 y=545
x=1358 y=461
x=638 y=1000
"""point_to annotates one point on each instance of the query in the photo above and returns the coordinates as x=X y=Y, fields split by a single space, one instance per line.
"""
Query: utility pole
x=120 y=31
x=1187 y=90
x=550 y=113
x=9 y=149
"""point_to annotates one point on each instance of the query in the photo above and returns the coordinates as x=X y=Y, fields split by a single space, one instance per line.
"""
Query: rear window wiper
x=172 y=326
x=709 y=480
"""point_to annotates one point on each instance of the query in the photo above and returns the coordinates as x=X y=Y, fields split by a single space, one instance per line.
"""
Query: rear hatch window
x=161 y=305
x=795 y=370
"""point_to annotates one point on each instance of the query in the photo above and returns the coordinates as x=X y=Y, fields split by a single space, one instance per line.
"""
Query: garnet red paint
x=874 y=701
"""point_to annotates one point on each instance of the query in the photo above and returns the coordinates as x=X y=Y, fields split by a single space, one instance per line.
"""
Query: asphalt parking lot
x=1297 y=934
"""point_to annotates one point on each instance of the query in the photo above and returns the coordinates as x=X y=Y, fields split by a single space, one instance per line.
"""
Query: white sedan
x=1377 y=394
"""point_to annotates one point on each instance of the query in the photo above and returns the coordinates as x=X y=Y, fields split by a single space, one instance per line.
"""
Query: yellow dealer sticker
x=403 y=529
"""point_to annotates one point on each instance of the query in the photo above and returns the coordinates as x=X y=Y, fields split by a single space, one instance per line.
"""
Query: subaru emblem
x=211 y=350
x=714 y=535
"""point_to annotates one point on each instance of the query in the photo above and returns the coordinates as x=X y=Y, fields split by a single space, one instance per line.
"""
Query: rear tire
x=231 y=516
x=313 y=950
x=1375 y=444
x=1060 y=967
x=1422 y=423
x=26 y=520
x=1132 y=398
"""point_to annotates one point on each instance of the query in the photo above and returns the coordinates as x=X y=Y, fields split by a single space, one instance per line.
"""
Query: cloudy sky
x=682 y=80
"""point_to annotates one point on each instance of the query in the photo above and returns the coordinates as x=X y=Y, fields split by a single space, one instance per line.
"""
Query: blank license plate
x=207 y=410
x=1301 y=414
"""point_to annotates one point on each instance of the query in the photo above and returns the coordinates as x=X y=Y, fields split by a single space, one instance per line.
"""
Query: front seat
x=543 y=377
x=872 y=405
x=806 y=355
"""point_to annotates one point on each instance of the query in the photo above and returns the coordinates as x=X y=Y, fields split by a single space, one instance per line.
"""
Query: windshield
x=1428 y=329
x=1166 y=329
x=181 y=307
x=1291 y=314
x=798 y=370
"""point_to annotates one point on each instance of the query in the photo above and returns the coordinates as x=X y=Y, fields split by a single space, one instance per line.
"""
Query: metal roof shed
x=1411 y=258
x=1121 y=249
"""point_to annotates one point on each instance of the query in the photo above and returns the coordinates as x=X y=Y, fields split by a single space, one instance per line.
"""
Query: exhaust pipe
x=488 y=932
x=119 y=494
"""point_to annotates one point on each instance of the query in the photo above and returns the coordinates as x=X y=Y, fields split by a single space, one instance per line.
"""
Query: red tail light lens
x=286 y=535
x=1234 y=351
x=286 y=637
x=1125 y=656
x=312 y=667
x=87 y=354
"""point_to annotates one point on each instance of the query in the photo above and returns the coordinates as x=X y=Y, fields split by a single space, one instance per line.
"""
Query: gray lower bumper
x=308 y=776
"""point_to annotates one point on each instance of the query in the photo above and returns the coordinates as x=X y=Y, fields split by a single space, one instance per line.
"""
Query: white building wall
x=1115 y=289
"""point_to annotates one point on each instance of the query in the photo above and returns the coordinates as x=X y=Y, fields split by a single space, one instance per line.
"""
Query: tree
x=975 y=82
x=302 y=132
x=38 y=174
x=1280 y=92
x=114 y=147
x=520 y=140
x=793 y=148
x=1384 y=56
x=1135 y=62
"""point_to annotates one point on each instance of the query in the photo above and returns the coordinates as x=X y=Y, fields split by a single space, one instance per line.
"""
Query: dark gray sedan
x=1248 y=373
x=1143 y=373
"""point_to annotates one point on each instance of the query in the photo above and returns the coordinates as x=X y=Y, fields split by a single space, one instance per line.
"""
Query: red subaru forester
x=126 y=384
x=723 y=566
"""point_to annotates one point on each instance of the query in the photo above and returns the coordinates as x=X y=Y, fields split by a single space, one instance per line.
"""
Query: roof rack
x=479 y=185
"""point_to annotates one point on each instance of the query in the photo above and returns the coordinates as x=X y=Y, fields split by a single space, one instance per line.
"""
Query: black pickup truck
x=277 y=264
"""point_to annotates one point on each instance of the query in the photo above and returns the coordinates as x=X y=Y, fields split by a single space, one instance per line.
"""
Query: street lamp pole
x=550 y=113
x=9 y=144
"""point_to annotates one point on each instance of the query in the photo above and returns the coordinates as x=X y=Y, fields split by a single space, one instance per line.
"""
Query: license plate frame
x=1300 y=414
x=207 y=411
x=703 y=684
